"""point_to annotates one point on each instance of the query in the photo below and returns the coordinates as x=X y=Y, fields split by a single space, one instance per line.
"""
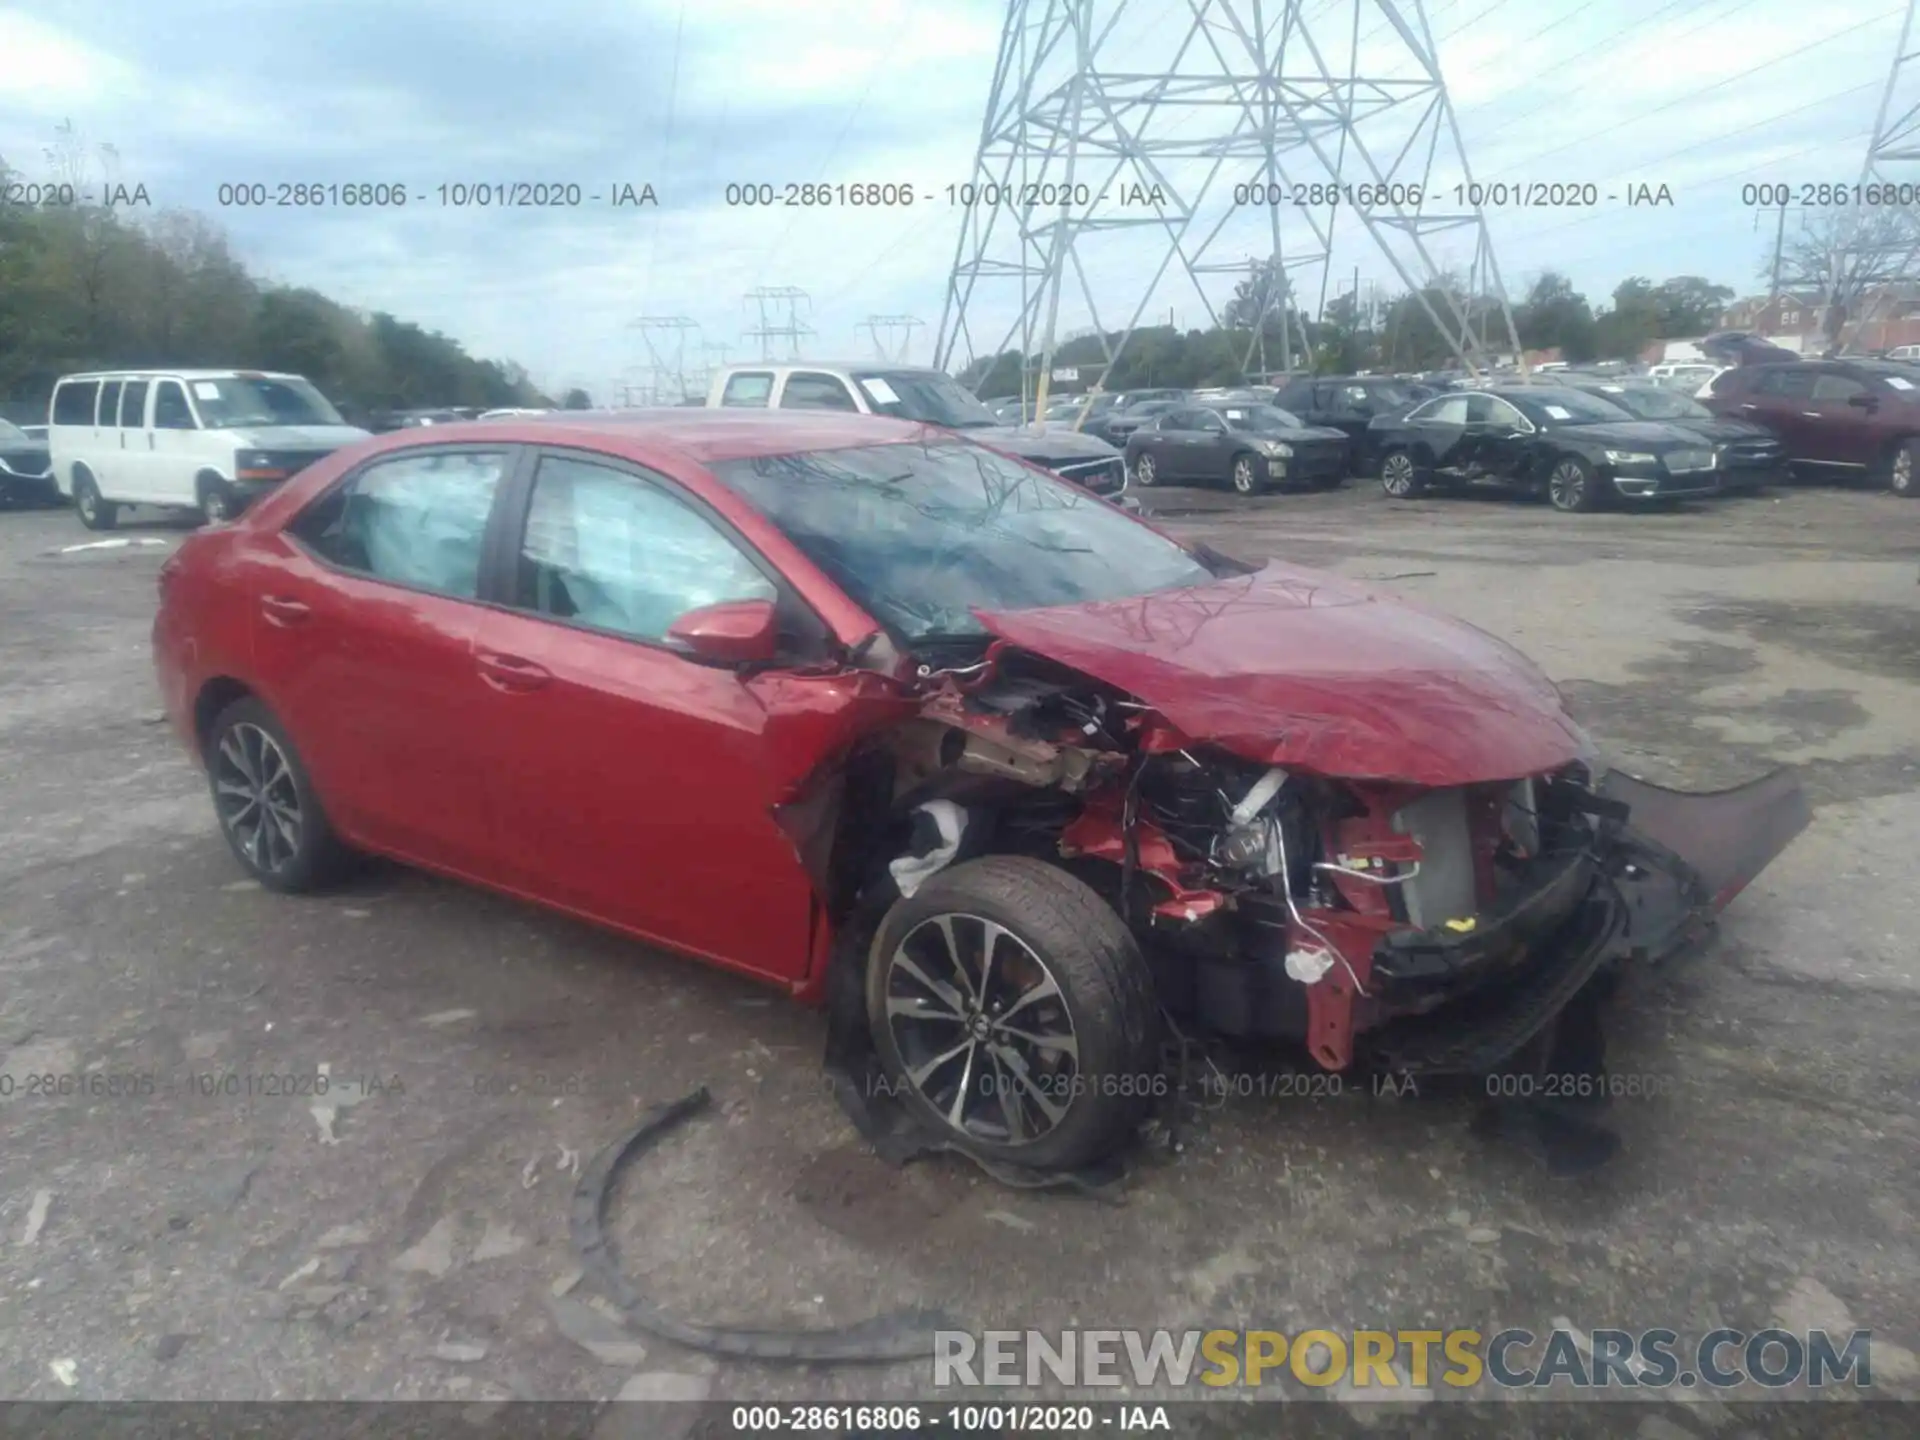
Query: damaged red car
x=1015 y=784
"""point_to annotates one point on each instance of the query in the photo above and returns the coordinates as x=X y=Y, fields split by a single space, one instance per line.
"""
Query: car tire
x=1145 y=472
x=1572 y=487
x=1061 y=956
x=1401 y=476
x=95 y=512
x=1901 y=467
x=1244 y=474
x=265 y=802
x=217 y=503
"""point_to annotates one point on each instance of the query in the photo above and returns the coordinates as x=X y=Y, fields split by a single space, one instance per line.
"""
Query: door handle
x=510 y=672
x=282 y=611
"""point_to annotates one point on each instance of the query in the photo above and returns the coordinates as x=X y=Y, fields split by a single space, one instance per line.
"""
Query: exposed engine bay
x=1371 y=923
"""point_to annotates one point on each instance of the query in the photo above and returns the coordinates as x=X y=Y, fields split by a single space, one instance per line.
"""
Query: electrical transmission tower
x=665 y=338
x=1125 y=146
x=898 y=337
x=1871 y=260
x=769 y=299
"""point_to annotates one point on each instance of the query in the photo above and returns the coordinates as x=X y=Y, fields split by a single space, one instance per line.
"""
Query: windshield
x=921 y=535
x=239 y=401
x=926 y=396
x=1262 y=417
x=1567 y=407
x=1653 y=404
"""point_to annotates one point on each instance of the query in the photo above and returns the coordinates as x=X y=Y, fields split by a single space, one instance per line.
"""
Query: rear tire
x=95 y=512
x=265 y=802
x=1400 y=475
x=1071 y=1065
x=1901 y=466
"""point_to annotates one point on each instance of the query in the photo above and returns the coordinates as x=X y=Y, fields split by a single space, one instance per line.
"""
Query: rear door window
x=748 y=389
x=133 y=406
x=109 y=403
x=73 y=402
x=417 y=519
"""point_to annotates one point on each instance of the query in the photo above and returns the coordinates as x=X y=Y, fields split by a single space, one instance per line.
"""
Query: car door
x=1780 y=397
x=106 y=457
x=1841 y=422
x=1438 y=430
x=635 y=785
x=134 y=456
x=1171 y=440
x=1210 y=455
x=172 y=438
x=364 y=647
x=1499 y=439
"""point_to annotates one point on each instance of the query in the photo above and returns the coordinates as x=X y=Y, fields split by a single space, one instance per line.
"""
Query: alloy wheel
x=256 y=797
x=1901 y=479
x=1396 y=475
x=1567 y=486
x=1243 y=475
x=982 y=1029
x=1143 y=470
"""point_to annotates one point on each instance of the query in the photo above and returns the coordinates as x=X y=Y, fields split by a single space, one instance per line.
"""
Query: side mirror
x=734 y=632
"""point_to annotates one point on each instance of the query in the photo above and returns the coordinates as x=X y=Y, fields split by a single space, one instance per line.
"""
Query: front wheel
x=218 y=504
x=1572 y=487
x=1900 y=476
x=1145 y=471
x=1246 y=476
x=95 y=512
x=265 y=803
x=1012 y=1009
x=1400 y=477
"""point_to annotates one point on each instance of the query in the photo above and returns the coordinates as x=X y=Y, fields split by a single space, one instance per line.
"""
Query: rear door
x=1438 y=431
x=106 y=456
x=364 y=647
x=137 y=472
x=1842 y=421
x=1780 y=397
x=635 y=785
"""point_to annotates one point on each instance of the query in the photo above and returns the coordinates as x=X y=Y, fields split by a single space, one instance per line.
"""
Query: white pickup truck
x=933 y=397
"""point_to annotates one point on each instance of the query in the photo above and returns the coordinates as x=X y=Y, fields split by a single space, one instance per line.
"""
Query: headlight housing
x=1279 y=449
x=1630 y=457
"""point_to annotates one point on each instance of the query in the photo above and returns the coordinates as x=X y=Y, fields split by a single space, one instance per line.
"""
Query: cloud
x=691 y=97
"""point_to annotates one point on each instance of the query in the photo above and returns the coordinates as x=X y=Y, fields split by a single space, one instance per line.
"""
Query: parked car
x=1579 y=451
x=914 y=730
x=1748 y=457
x=1008 y=411
x=211 y=440
x=1905 y=353
x=509 y=411
x=932 y=397
x=1110 y=409
x=1835 y=417
x=1686 y=375
x=1122 y=424
x=26 y=467
x=1350 y=404
x=1249 y=447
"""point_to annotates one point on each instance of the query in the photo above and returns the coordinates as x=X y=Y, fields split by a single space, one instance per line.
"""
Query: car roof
x=702 y=434
x=136 y=373
x=848 y=366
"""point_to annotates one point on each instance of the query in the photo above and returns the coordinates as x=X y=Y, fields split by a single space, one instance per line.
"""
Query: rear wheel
x=265 y=803
x=1400 y=477
x=1246 y=476
x=1900 y=469
x=95 y=513
x=1572 y=487
x=1014 y=1012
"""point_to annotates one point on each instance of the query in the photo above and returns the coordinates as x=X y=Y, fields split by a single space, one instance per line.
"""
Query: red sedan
x=904 y=725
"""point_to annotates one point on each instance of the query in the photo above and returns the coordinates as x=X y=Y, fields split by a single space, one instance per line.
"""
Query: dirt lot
x=413 y=1243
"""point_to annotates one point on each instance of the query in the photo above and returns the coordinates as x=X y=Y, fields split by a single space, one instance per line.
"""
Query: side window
x=1448 y=410
x=109 y=403
x=418 y=519
x=133 y=406
x=748 y=388
x=606 y=549
x=1499 y=413
x=1789 y=380
x=170 y=411
x=1355 y=397
x=1209 y=421
x=807 y=391
x=1836 y=388
x=73 y=404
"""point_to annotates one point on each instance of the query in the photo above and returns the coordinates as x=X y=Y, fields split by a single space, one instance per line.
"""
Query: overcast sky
x=1702 y=96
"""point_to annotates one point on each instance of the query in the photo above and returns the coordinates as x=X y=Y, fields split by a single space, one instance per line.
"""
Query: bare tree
x=1840 y=257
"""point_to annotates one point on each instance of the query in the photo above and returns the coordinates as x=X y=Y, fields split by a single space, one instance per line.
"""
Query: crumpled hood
x=298 y=437
x=1304 y=669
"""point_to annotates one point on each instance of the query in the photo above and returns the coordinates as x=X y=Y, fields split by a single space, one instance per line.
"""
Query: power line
x=666 y=148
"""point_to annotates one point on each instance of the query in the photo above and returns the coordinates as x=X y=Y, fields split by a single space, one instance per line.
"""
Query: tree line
x=85 y=287
x=1364 y=332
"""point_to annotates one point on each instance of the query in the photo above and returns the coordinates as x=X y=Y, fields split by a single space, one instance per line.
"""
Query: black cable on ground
x=904 y=1335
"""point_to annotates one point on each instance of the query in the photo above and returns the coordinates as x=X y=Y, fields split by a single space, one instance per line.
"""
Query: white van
x=211 y=440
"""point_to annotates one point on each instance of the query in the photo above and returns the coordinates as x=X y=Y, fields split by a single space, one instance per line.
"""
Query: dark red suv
x=1836 y=417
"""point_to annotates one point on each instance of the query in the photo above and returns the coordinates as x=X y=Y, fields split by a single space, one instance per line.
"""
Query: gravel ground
x=407 y=1238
